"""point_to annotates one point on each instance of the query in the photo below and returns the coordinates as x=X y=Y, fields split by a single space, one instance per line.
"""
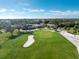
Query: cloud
x=55 y=11
x=64 y=14
x=38 y=13
x=67 y=12
x=33 y=10
x=36 y=10
x=3 y=10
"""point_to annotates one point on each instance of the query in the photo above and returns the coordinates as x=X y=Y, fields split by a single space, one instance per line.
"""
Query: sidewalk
x=74 y=39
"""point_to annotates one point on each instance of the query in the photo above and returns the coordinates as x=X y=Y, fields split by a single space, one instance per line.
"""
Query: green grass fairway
x=48 y=45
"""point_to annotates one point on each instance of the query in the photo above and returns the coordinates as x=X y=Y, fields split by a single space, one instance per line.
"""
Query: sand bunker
x=30 y=41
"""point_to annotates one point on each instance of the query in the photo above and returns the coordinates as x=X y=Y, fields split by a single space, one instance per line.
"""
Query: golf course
x=47 y=45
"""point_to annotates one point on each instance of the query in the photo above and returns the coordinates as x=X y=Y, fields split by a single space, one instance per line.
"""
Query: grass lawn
x=48 y=45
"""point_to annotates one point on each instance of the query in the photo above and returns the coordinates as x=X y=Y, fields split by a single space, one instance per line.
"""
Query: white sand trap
x=51 y=30
x=32 y=30
x=36 y=29
x=30 y=41
x=72 y=38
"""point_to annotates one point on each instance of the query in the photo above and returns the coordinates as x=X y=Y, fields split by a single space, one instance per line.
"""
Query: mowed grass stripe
x=51 y=45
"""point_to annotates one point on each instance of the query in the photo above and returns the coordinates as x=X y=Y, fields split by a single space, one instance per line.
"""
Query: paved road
x=72 y=38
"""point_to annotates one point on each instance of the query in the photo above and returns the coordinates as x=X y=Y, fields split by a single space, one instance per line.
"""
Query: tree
x=10 y=29
x=19 y=27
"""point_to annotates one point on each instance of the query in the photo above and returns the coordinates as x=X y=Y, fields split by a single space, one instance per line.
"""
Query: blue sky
x=39 y=8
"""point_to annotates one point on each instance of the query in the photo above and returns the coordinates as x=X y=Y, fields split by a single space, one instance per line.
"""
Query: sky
x=39 y=9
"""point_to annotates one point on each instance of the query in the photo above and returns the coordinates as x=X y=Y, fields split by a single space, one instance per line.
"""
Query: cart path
x=74 y=39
